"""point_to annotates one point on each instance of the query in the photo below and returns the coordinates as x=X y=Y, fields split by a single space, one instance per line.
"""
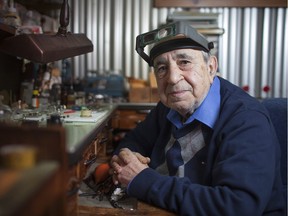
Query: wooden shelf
x=219 y=3
x=211 y=31
x=43 y=7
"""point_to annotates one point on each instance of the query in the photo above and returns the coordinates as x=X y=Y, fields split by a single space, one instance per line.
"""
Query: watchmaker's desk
x=142 y=209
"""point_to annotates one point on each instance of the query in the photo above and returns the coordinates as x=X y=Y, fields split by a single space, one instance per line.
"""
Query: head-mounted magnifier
x=166 y=41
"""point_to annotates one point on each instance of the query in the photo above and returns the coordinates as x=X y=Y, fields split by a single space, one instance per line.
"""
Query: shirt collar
x=206 y=113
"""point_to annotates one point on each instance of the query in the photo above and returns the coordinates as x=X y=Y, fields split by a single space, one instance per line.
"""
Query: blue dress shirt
x=206 y=113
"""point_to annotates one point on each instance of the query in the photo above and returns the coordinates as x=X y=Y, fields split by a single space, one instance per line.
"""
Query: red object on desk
x=69 y=111
x=101 y=172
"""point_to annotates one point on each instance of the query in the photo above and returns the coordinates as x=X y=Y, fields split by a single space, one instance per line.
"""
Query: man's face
x=184 y=79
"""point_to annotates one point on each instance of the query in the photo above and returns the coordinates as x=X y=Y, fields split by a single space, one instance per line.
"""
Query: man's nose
x=174 y=75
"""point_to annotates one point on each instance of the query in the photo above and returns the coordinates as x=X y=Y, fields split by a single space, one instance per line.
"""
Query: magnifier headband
x=164 y=37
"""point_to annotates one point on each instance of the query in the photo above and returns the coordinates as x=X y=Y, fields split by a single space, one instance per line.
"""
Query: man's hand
x=126 y=165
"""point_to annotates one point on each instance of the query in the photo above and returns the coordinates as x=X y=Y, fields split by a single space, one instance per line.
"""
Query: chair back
x=277 y=108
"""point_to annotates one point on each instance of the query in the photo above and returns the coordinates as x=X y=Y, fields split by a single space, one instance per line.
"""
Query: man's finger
x=142 y=159
x=126 y=155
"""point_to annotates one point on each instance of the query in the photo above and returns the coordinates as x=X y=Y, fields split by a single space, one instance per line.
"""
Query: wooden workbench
x=142 y=209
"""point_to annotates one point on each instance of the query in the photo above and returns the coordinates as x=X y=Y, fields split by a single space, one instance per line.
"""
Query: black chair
x=277 y=108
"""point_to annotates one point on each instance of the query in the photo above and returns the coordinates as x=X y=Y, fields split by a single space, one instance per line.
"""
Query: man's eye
x=184 y=62
x=161 y=71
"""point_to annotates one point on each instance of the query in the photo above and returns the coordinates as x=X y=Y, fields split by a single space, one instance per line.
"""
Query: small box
x=152 y=80
x=154 y=97
x=137 y=83
x=139 y=95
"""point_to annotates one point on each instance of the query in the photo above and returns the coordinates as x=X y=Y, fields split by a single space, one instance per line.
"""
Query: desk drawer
x=128 y=119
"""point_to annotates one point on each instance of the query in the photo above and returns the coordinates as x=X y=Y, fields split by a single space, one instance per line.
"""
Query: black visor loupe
x=165 y=40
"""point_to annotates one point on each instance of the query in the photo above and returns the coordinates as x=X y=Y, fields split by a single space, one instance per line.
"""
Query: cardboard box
x=143 y=92
x=139 y=95
x=143 y=95
x=154 y=97
x=152 y=80
x=137 y=83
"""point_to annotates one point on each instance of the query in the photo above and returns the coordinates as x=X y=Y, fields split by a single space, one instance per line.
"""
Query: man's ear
x=213 y=65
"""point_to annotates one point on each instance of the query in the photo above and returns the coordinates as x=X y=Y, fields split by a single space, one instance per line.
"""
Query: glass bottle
x=35 y=99
x=71 y=97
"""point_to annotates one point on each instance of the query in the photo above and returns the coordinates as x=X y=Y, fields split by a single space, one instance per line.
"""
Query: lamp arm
x=64 y=18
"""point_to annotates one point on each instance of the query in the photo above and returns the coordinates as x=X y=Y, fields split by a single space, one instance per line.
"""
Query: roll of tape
x=18 y=156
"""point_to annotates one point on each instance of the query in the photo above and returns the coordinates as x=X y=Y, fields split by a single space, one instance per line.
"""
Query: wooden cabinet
x=95 y=149
x=92 y=151
x=129 y=115
x=40 y=190
x=93 y=145
x=128 y=119
x=35 y=191
x=72 y=191
x=219 y=3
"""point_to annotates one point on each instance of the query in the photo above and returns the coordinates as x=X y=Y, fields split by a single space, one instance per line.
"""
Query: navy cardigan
x=236 y=173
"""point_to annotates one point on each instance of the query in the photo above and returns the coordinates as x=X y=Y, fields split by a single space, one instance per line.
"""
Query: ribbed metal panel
x=252 y=51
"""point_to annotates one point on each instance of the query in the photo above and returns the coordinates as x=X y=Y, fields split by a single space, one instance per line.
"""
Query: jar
x=35 y=99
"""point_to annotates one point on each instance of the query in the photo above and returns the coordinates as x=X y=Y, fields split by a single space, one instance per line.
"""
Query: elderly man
x=207 y=148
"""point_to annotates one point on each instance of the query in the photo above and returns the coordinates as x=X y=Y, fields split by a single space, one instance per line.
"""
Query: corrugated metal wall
x=252 y=52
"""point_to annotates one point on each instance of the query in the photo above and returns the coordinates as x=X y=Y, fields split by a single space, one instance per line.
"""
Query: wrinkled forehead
x=179 y=54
